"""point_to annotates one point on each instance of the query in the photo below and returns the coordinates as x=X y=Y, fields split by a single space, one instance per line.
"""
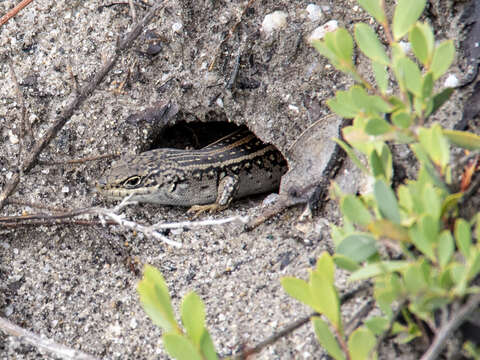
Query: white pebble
x=219 y=102
x=451 y=81
x=176 y=27
x=65 y=189
x=314 y=12
x=294 y=108
x=320 y=31
x=274 y=21
x=133 y=323
x=12 y=137
x=406 y=46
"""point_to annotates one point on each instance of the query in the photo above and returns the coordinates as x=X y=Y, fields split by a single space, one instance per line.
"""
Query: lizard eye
x=132 y=182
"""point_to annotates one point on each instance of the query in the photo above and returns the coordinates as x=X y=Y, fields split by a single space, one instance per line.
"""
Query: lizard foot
x=200 y=209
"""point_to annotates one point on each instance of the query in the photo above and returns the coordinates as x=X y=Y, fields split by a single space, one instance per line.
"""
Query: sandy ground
x=77 y=285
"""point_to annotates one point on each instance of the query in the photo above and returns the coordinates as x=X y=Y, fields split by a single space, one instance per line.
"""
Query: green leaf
x=442 y=58
x=406 y=14
x=298 y=289
x=422 y=40
x=381 y=76
x=408 y=73
x=432 y=200
x=463 y=237
x=435 y=144
x=360 y=343
x=358 y=247
x=402 y=119
x=343 y=105
x=464 y=139
x=325 y=267
x=351 y=154
x=414 y=280
x=474 y=261
x=427 y=85
x=375 y=269
x=326 y=296
x=344 y=45
x=386 y=228
x=369 y=44
x=355 y=211
x=440 y=99
x=193 y=317
x=377 y=165
x=386 y=201
x=326 y=338
x=421 y=241
x=345 y=263
x=207 y=347
x=155 y=299
x=377 y=126
x=374 y=8
x=378 y=104
x=180 y=348
x=337 y=46
x=377 y=324
x=360 y=98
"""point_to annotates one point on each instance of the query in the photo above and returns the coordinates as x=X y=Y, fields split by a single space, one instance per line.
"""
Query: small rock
x=274 y=21
x=320 y=31
x=451 y=81
x=176 y=27
x=314 y=12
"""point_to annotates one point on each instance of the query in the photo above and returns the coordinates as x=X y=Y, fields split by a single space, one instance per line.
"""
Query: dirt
x=77 y=285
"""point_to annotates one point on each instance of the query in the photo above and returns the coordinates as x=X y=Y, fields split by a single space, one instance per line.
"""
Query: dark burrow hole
x=193 y=135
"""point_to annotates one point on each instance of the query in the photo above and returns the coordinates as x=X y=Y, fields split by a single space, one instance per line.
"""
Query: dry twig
x=43 y=343
x=14 y=11
x=447 y=329
x=114 y=217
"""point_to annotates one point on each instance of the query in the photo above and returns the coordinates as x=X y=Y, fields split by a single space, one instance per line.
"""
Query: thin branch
x=14 y=11
x=114 y=217
x=446 y=330
x=86 y=91
x=77 y=161
x=43 y=343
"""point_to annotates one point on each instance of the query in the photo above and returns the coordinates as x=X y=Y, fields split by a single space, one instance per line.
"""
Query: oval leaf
x=464 y=139
x=406 y=14
x=358 y=247
x=193 y=317
x=374 y=8
x=442 y=58
x=381 y=76
x=386 y=201
x=155 y=299
x=422 y=40
x=369 y=44
x=360 y=343
x=355 y=211
x=377 y=126
x=180 y=348
x=326 y=338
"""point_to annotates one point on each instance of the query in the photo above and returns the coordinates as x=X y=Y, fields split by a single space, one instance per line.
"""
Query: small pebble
x=314 y=12
x=451 y=81
x=176 y=27
x=274 y=21
x=320 y=31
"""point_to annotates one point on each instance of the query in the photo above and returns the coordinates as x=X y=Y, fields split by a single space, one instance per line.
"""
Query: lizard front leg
x=227 y=188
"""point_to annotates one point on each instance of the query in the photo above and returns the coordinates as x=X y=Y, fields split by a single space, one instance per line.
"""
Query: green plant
x=193 y=344
x=438 y=257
